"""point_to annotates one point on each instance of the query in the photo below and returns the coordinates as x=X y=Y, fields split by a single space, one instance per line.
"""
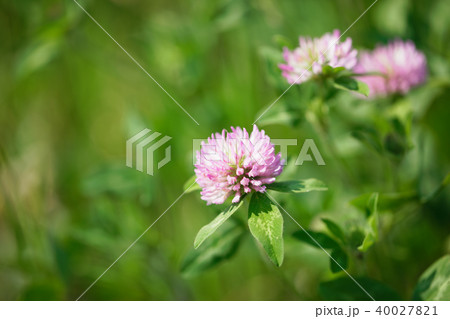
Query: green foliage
x=334 y=228
x=299 y=186
x=328 y=70
x=350 y=84
x=71 y=98
x=209 y=229
x=316 y=239
x=264 y=218
x=345 y=289
x=220 y=246
x=117 y=181
x=339 y=259
x=372 y=223
x=390 y=201
x=266 y=225
x=370 y=137
x=272 y=57
x=434 y=284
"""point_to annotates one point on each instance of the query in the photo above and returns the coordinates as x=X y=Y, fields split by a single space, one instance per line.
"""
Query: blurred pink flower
x=401 y=66
x=312 y=54
x=234 y=163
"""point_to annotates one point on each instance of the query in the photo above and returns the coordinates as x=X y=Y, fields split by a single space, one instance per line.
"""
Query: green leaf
x=372 y=222
x=395 y=144
x=334 y=228
x=320 y=240
x=434 y=284
x=351 y=84
x=323 y=241
x=266 y=225
x=388 y=201
x=191 y=185
x=345 y=289
x=340 y=259
x=372 y=204
x=400 y=117
x=329 y=70
x=300 y=186
x=218 y=248
x=370 y=138
x=209 y=229
x=356 y=237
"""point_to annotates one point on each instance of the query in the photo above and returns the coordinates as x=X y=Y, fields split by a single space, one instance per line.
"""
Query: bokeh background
x=70 y=98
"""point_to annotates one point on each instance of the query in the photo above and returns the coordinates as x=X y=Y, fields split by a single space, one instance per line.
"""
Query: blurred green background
x=70 y=98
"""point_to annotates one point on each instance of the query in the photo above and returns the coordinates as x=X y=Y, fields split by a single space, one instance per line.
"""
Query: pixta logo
x=308 y=152
x=144 y=145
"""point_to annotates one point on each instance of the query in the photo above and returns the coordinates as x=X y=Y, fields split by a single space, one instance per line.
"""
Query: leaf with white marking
x=266 y=225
